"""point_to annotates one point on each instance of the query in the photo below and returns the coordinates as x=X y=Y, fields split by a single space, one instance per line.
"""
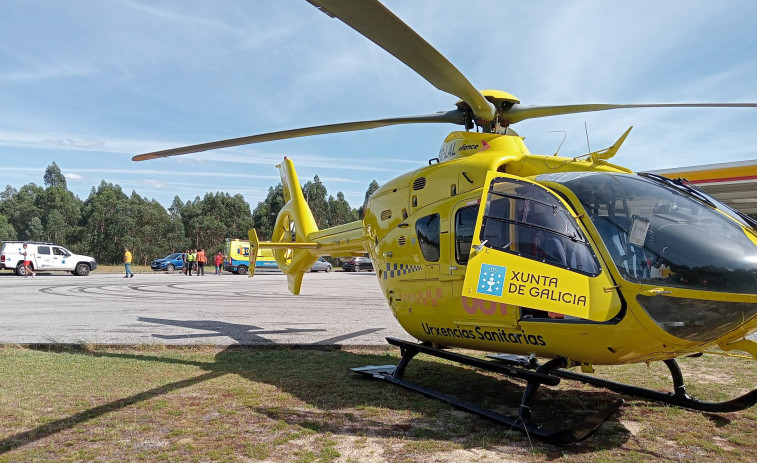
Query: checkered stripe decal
x=429 y=297
x=396 y=270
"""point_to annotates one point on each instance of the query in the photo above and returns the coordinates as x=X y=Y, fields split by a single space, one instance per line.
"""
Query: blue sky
x=88 y=84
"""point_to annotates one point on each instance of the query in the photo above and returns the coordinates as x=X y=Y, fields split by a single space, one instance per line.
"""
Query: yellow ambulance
x=236 y=258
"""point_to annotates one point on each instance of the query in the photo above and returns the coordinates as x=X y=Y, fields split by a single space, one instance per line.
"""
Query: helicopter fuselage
x=541 y=276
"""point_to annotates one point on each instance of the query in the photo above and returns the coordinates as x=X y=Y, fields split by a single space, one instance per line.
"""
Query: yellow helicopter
x=488 y=247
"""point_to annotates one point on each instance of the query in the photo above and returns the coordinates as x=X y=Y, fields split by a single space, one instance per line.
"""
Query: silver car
x=321 y=265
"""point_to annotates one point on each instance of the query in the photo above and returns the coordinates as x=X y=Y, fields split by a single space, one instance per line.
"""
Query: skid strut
x=678 y=397
x=522 y=422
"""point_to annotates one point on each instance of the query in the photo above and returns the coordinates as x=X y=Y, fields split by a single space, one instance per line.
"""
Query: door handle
x=656 y=292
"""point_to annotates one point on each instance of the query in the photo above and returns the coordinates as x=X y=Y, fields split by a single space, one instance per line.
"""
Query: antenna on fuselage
x=586 y=129
x=564 y=136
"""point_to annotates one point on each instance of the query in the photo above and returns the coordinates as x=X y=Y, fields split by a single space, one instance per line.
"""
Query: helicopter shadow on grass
x=343 y=403
x=240 y=333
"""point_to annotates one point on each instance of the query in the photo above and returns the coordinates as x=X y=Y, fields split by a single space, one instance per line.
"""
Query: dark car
x=169 y=263
x=357 y=264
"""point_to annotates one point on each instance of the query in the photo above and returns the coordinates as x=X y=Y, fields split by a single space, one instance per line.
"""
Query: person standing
x=201 y=260
x=27 y=262
x=184 y=263
x=127 y=263
x=218 y=260
x=191 y=256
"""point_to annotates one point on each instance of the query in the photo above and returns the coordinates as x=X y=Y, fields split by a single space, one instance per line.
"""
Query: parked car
x=357 y=264
x=44 y=257
x=169 y=263
x=321 y=265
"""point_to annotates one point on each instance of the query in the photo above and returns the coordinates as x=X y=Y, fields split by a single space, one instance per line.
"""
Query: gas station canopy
x=733 y=183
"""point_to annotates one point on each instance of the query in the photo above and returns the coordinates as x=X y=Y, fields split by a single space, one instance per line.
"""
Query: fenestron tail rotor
x=287 y=234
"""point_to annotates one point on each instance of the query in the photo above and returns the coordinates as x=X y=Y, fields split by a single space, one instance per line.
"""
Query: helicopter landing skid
x=678 y=397
x=542 y=375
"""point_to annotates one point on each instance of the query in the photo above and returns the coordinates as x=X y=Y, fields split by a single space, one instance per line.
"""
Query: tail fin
x=296 y=241
x=293 y=225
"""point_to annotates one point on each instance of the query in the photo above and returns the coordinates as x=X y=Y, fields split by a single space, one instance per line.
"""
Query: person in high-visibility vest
x=201 y=259
x=191 y=258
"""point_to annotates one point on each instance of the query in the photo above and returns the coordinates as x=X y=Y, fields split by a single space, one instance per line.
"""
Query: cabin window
x=527 y=220
x=43 y=250
x=427 y=230
x=465 y=224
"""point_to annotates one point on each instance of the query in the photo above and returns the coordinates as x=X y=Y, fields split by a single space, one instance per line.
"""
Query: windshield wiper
x=747 y=218
x=684 y=185
x=681 y=185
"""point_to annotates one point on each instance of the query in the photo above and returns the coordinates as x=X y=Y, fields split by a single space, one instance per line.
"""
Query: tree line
x=109 y=220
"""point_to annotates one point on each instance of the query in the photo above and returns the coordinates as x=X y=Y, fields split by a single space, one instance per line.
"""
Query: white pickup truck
x=44 y=257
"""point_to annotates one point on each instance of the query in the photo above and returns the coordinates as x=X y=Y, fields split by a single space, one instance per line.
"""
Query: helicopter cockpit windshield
x=660 y=235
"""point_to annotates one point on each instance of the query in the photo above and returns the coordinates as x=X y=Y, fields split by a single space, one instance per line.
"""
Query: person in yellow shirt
x=127 y=263
x=191 y=260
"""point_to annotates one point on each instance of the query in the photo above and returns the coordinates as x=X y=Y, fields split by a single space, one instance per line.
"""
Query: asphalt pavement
x=162 y=308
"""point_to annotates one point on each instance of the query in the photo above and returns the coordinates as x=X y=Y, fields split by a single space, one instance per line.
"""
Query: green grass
x=63 y=403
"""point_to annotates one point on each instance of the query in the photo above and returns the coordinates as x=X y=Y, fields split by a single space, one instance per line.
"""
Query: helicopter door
x=528 y=250
x=472 y=310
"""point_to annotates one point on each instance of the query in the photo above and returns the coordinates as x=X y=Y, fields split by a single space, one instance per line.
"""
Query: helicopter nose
x=711 y=287
x=692 y=249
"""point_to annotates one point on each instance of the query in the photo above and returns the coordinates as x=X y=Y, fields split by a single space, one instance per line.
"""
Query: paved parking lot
x=160 y=308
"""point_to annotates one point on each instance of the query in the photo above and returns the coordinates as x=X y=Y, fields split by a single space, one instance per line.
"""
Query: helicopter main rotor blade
x=454 y=117
x=519 y=113
x=374 y=21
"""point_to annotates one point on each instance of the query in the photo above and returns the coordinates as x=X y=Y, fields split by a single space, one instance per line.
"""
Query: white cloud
x=70 y=176
x=46 y=72
x=153 y=184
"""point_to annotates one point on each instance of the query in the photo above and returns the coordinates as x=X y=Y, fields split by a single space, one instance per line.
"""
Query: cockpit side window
x=427 y=230
x=465 y=224
x=525 y=219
